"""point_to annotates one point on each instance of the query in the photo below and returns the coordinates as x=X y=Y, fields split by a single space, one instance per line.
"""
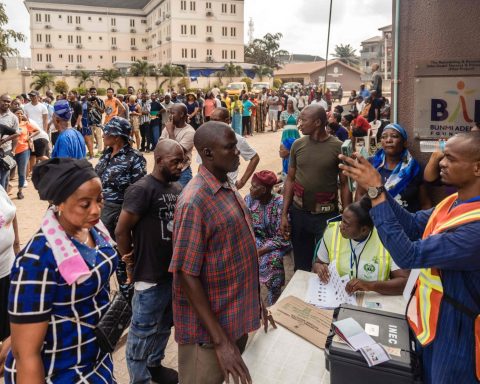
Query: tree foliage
x=111 y=77
x=231 y=70
x=142 y=68
x=42 y=81
x=261 y=71
x=346 y=54
x=7 y=37
x=265 y=51
x=172 y=71
x=61 y=86
x=84 y=78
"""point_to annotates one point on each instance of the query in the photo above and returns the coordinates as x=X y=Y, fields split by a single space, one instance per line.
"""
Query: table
x=281 y=357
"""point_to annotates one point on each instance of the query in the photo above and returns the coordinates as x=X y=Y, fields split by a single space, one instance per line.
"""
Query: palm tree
x=346 y=54
x=7 y=38
x=142 y=68
x=43 y=80
x=111 y=76
x=83 y=77
x=261 y=71
x=233 y=70
x=172 y=71
x=220 y=75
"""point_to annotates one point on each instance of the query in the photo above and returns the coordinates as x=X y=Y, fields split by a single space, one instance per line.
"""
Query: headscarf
x=266 y=178
x=287 y=143
x=56 y=179
x=405 y=171
x=62 y=109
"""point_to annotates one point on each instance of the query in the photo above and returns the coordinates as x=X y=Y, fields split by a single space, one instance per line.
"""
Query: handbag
x=112 y=324
x=7 y=161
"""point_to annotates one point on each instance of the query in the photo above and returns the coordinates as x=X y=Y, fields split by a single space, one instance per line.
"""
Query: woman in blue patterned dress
x=266 y=211
x=60 y=283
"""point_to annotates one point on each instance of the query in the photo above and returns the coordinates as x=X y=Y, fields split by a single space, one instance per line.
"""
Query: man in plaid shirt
x=216 y=299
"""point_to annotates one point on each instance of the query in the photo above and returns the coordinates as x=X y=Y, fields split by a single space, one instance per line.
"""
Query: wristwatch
x=374 y=192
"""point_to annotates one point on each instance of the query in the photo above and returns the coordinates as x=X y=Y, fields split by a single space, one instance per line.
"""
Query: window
x=193 y=6
x=114 y=59
x=39 y=38
x=193 y=53
x=184 y=53
x=79 y=39
x=144 y=58
x=209 y=52
x=183 y=5
x=99 y=19
x=70 y=58
x=60 y=37
x=113 y=22
x=208 y=5
x=224 y=54
x=224 y=31
x=193 y=30
x=89 y=37
x=39 y=57
x=144 y=21
x=89 y=57
x=47 y=18
x=78 y=19
x=89 y=18
x=48 y=58
x=47 y=38
x=132 y=23
x=183 y=29
x=233 y=55
x=133 y=58
x=209 y=29
x=100 y=38
x=69 y=19
x=38 y=17
x=224 y=8
x=79 y=58
x=233 y=8
x=114 y=41
x=60 y=56
x=70 y=39
x=59 y=16
x=101 y=57
x=132 y=41
x=233 y=31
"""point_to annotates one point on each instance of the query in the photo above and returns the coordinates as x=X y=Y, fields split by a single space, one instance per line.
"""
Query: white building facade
x=82 y=34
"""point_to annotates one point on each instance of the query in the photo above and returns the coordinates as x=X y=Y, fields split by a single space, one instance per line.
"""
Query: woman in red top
x=209 y=105
x=22 y=150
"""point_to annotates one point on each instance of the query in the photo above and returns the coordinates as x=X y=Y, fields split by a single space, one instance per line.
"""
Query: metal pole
x=328 y=43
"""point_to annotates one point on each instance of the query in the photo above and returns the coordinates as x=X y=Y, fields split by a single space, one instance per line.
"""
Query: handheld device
x=347 y=150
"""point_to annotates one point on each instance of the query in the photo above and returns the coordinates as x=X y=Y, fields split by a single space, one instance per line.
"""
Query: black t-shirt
x=155 y=106
x=154 y=202
x=76 y=111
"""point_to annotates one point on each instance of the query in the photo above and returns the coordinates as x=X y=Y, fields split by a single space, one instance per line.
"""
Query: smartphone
x=347 y=150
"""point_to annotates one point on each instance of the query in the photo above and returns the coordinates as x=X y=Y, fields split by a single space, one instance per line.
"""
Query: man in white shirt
x=9 y=133
x=37 y=111
x=319 y=100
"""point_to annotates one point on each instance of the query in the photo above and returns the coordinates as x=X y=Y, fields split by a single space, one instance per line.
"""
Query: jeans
x=185 y=177
x=150 y=330
x=4 y=178
x=307 y=231
x=155 y=131
x=22 y=162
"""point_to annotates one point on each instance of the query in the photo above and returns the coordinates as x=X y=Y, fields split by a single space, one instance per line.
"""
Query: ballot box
x=389 y=329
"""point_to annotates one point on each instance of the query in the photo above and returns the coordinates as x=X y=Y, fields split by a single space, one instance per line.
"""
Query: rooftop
x=309 y=68
x=374 y=39
x=128 y=4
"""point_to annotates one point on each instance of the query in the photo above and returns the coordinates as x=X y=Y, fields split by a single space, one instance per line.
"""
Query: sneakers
x=25 y=184
x=163 y=375
x=20 y=195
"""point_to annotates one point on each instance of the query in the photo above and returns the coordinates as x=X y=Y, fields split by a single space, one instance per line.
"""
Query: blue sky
x=303 y=23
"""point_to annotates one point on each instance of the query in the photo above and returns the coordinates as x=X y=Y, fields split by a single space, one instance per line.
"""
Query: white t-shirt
x=41 y=133
x=36 y=112
x=322 y=103
x=7 y=235
x=246 y=151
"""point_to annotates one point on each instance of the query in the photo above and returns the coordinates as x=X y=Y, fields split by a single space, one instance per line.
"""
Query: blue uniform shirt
x=70 y=143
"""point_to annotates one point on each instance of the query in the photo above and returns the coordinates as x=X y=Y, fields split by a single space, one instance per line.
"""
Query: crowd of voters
x=191 y=252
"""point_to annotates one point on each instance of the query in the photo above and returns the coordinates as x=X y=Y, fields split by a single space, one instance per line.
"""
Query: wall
x=432 y=30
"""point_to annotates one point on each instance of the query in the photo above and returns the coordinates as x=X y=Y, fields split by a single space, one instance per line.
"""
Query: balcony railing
x=370 y=55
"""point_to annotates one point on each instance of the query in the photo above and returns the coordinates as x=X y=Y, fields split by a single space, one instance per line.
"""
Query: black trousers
x=246 y=125
x=144 y=132
x=307 y=231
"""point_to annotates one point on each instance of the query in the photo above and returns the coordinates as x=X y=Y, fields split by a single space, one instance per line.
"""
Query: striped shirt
x=38 y=293
x=213 y=239
x=450 y=358
x=145 y=108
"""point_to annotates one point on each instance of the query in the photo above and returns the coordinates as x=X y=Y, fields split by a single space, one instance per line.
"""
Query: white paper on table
x=375 y=354
x=332 y=294
x=412 y=279
x=353 y=333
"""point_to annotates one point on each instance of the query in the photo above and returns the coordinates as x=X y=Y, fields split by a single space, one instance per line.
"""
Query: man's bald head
x=209 y=134
x=468 y=144
x=317 y=112
x=169 y=160
x=166 y=147
x=220 y=114
x=180 y=107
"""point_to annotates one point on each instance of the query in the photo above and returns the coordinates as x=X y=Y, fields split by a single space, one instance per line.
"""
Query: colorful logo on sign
x=439 y=111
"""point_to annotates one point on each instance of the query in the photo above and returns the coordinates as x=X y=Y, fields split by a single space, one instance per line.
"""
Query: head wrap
x=56 y=179
x=266 y=178
x=118 y=126
x=399 y=129
x=62 y=109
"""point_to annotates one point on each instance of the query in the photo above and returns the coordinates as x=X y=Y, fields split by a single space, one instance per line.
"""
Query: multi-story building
x=377 y=49
x=93 y=34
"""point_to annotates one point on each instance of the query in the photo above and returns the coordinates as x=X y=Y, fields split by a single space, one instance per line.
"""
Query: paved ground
x=30 y=211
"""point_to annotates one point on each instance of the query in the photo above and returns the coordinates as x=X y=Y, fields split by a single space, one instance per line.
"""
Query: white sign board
x=445 y=106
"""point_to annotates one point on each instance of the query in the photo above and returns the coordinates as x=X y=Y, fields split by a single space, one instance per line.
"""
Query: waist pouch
x=325 y=202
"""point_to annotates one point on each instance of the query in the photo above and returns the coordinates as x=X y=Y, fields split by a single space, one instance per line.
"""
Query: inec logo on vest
x=369 y=268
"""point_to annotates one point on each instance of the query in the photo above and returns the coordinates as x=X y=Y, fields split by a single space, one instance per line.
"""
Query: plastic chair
x=372 y=135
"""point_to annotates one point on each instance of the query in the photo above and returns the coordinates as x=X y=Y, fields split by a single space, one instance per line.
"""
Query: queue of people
x=191 y=252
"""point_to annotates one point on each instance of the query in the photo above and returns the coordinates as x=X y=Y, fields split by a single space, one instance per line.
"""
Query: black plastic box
x=348 y=366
